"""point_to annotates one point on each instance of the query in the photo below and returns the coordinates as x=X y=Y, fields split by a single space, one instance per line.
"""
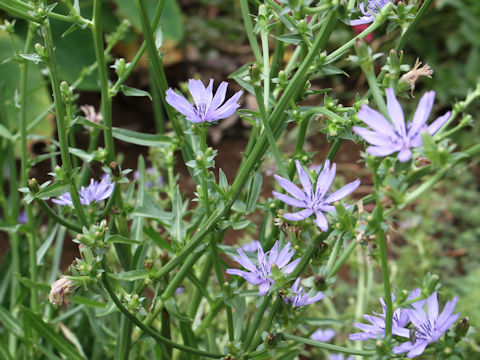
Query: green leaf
x=152 y=210
x=170 y=21
x=130 y=91
x=33 y=285
x=35 y=58
x=10 y=323
x=42 y=250
x=77 y=299
x=46 y=331
x=119 y=239
x=178 y=230
x=5 y=133
x=294 y=39
x=141 y=139
x=131 y=275
x=86 y=157
x=157 y=239
x=254 y=186
x=80 y=120
x=52 y=191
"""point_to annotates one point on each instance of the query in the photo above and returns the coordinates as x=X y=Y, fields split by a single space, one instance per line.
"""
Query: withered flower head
x=60 y=290
x=412 y=76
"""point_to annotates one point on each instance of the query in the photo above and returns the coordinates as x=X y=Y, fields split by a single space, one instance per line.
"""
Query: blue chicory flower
x=400 y=320
x=323 y=335
x=149 y=183
x=373 y=7
x=313 y=201
x=22 y=217
x=301 y=299
x=339 y=357
x=260 y=274
x=429 y=327
x=207 y=107
x=387 y=138
x=251 y=246
x=94 y=192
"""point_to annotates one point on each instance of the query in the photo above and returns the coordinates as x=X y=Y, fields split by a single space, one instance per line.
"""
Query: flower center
x=202 y=109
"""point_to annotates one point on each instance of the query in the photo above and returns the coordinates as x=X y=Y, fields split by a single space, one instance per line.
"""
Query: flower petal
x=291 y=188
x=376 y=121
x=447 y=311
x=298 y=216
x=406 y=346
x=404 y=154
x=372 y=137
x=438 y=123
x=218 y=98
x=325 y=180
x=418 y=348
x=304 y=179
x=227 y=109
x=395 y=111
x=321 y=221
x=198 y=92
x=381 y=150
x=422 y=113
x=289 y=200
x=181 y=104
x=432 y=304
x=290 y=267
x=263 y=288
x=343 y=192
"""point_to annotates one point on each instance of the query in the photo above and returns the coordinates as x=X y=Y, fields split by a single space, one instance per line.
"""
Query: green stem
x=334 y=254
x=326 y=346
x=106 y=102
x=382 y=247
x=249 y=30
x=266 y=67
x=346 y=253
x=150 y=332
x=54 y=216
x=418 y=17
x=61 y=126
x=253 y=327
x=377 y=94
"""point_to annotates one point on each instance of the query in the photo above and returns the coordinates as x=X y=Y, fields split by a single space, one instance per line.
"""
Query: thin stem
x=158 y=338
x=249 y=30
x=334 y=254
x=266 y=67
x=377 y=95
x=61 y=126
x=382 y=247
x=253 y=327
x=62 y=221
x=418 y=17
x=346 y=253
x=326 y=346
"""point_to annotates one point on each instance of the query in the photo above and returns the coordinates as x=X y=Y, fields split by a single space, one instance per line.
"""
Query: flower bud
x=60 y=173
x=115 y=168
x=33 y=185
x=254 y=72
x=120 y=67
x=462 y=328
x=282 y=77
x=40 y=50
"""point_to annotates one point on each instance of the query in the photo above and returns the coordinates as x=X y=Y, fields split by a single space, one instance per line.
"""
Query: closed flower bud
x=115 y=168
x=462 y=327
x=33 y=185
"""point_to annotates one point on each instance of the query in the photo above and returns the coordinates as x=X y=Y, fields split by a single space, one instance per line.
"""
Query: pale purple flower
x=400 y=320
x=252 y=246
x=373 y=7
x=313 y=201
x=323 y=335
x=260 y=273
x=22 y=217
x=148 y=183
x=207 y=107
x=94 y=192
x=301 y=299
x=387 y=138
x=429 y=327
x=339 y=357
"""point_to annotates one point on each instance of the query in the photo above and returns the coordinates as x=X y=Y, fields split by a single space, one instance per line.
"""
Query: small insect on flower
x=387 y=138
x=400 y=320
x=323 y=335
x=207 y=107
x=94 y=192
x=260 y=273
x=313 y=201
x=429 y=327
x=301 y=299
x=373 y=7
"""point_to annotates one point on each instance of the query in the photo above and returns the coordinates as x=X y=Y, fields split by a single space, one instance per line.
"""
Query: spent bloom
x=323 y=335
x=387 y=138
x=373 y=7
x=429 y=327
x=400 y=320
x=313 y=200
x=301 y=299
x=94 y=192
x=207 y=106
x=260 y=273
x=60 y=290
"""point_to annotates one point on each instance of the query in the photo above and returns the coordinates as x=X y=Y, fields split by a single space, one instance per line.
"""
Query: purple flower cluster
x=313 y=200
x=373 y=7
x=148 y=183
x=427 y=327
x=387 y=138
x=207 y=107
x=260 y=274
x=400 y=320
x=94 y=192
